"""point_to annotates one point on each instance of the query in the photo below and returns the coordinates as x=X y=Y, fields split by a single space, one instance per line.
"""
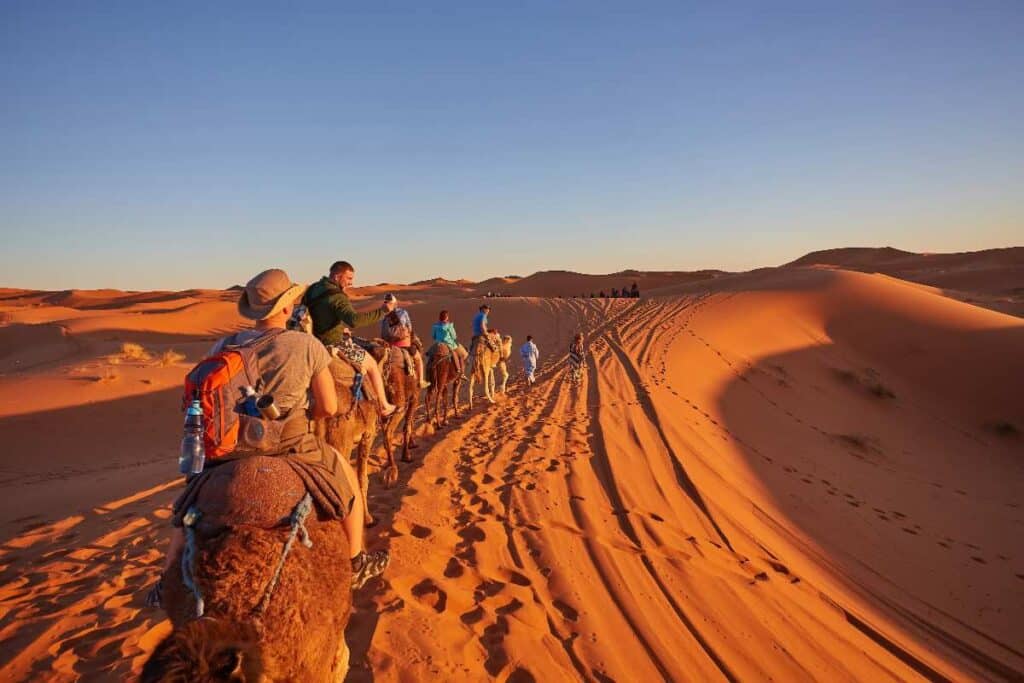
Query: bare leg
x=372 y=370
x=353 y=522
x=418 y=362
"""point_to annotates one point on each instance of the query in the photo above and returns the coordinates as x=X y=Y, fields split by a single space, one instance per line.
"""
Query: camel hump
x=439 y=349
x=258 y=491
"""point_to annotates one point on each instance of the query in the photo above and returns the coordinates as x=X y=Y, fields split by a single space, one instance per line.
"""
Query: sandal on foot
x=388 y=413
x=366 y=565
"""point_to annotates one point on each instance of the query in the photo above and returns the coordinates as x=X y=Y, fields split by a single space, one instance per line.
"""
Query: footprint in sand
x=421 y=531
x=473 y=616
x=567 y=611
x=518 y=579
x=427 y=592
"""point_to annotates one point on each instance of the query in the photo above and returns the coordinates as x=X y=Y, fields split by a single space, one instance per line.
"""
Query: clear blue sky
x=171 y=145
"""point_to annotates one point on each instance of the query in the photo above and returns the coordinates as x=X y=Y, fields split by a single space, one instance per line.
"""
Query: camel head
x=207 y=651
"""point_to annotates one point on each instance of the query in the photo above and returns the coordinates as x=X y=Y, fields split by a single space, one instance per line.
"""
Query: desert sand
x=811 y=472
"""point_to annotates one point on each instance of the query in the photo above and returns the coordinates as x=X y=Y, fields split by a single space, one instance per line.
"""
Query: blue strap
x=357 y=387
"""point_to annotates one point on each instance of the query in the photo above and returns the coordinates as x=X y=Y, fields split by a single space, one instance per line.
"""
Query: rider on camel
x=480 y=332
x=333 y=317
x=443 y=332
x=294 y=369
x=396 y=330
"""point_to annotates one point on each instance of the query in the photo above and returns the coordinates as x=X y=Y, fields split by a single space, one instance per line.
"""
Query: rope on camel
x=298 y=523
x=188 y=558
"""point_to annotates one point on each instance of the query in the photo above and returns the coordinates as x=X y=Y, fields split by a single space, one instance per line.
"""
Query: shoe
x=366 y=565
x=424 y=384
x=388 y=413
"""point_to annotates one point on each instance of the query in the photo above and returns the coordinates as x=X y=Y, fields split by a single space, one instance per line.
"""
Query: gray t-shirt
x=287 y=363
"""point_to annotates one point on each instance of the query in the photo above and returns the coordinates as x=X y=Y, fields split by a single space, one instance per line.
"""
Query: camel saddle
x=344 y=374
x=257 y=491
x=386 y=355
x=439 y=352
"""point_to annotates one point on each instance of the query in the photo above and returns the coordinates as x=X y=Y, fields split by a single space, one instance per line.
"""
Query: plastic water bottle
x=193 y=453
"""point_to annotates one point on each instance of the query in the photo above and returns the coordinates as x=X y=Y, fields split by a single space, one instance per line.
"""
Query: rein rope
x=298 y=522
x=188 y=558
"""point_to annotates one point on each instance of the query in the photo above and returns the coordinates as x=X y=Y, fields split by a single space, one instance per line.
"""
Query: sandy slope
x=993 y=278
x=791 y=474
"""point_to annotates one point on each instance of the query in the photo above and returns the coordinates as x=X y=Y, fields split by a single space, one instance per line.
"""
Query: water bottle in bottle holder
x=192 y=458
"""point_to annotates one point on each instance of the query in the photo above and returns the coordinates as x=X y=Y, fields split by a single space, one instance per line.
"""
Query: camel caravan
x=267 y=550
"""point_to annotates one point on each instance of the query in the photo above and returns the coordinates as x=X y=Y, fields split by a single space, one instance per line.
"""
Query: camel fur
x=502 y=364
x=299 y=636
x=484 y=358
x=356 y=424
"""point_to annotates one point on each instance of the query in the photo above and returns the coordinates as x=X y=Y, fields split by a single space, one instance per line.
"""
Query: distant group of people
x=632 y=292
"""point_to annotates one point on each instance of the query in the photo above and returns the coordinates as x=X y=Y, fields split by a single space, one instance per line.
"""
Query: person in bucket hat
x=293 y=368
x=267 y=294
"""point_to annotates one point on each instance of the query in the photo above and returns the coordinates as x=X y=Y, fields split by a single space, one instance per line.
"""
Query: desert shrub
x=106 y=376
x=170 y=357
x=133 y=351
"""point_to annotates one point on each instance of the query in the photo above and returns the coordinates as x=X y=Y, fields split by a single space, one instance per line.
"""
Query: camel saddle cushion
x=258 y=491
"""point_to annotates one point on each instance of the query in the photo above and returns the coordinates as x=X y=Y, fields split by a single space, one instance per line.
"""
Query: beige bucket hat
x=267 y=293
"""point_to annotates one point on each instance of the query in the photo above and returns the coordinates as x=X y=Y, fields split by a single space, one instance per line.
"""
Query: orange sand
x=790 y=474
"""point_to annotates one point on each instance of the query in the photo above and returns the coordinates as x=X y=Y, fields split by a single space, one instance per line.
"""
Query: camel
x=356 y=424
x=442 y=371
x=404 y=391
x=483 y=359
x=273 y=596
x=502 y=365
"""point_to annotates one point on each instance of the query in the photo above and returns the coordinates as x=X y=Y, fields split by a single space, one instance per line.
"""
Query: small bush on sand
x=106 y=376
x=133 y=351
x=170 y=357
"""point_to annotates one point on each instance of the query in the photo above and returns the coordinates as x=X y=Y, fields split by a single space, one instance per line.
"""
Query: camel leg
x=410 y=420
x=391 y=468
x=407 y=440
x=489 y=384
x=431 y=411
x=440 y=406
x=456 y=385
x=472 y=381
x=503 y=368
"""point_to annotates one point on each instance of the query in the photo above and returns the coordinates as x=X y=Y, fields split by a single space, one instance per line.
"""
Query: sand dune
x=993 y=278
x=790 y=474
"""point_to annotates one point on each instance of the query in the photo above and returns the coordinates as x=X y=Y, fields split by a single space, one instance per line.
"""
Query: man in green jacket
x=331 y=309
x=333 y=316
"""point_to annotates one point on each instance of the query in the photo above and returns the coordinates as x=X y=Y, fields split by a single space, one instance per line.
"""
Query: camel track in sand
x=592 y=533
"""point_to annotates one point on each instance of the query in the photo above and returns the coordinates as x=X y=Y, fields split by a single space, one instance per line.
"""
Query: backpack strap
x=262 y=339
x=252 y=345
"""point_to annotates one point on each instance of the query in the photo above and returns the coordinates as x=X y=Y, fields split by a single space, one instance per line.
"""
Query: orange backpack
x=219 y=382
